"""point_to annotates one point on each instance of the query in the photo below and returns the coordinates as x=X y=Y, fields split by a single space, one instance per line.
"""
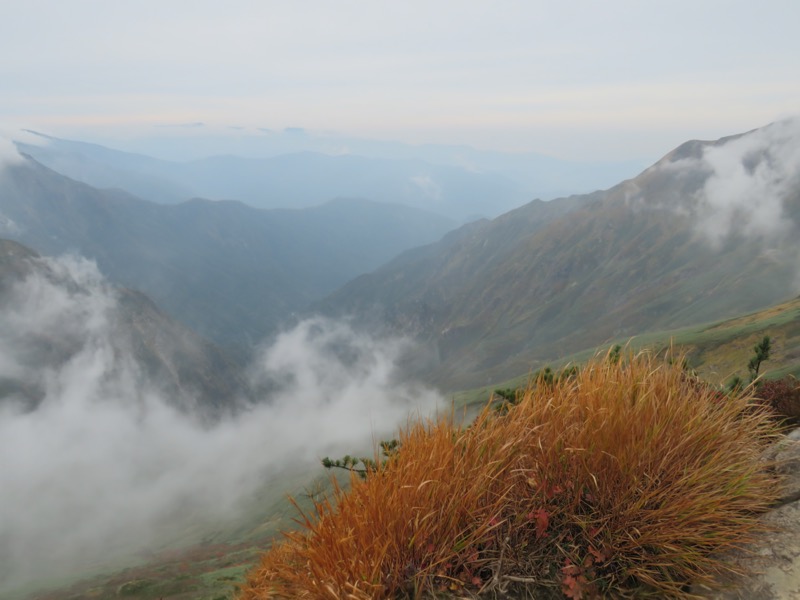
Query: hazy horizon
x=350 y=318
x=581 y=81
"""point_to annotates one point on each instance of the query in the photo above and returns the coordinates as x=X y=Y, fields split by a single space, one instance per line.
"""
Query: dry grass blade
x=626 y=477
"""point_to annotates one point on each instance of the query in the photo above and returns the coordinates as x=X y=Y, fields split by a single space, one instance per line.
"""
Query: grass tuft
x=629 y=478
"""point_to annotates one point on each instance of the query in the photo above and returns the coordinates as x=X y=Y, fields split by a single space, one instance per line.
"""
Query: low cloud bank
x=752 y=178
x=104 y=462
x=749 y=181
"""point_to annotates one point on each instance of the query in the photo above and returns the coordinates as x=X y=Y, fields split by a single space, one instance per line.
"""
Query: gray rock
x=772 y=562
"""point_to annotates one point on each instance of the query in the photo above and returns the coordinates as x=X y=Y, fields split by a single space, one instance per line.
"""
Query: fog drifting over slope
x=749 y=180
x=752 y=176
x=9 y=135
x=104 y=461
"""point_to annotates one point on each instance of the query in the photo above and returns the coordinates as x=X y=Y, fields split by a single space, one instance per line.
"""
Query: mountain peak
x=711 y=230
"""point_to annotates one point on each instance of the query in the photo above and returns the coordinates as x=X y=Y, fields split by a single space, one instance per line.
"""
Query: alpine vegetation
x=628 y=477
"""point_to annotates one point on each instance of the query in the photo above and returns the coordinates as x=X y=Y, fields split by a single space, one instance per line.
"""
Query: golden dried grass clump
x=628 y=478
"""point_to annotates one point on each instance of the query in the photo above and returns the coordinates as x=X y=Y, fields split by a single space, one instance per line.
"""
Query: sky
x=579 y=79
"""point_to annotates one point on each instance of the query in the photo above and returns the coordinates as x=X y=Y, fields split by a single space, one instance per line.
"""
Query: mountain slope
x=716 y=351
x=52 y=311
x=712 y=230
x=229 y=271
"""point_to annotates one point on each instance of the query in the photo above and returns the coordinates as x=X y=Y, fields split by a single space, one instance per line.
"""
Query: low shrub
x=782 y=397
x=627 y=479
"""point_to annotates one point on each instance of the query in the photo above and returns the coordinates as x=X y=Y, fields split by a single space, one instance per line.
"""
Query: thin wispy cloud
x=9 y=154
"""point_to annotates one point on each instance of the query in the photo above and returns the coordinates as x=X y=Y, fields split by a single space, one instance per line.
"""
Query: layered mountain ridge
x=295 y=180
x=711 y=230
x=227 y=270
x=271 y=170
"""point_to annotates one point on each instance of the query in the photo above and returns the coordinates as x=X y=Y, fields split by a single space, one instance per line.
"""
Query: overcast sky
x=611 y=79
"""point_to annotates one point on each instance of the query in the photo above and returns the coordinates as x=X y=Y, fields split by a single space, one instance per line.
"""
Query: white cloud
x=104 y=464
x=429 y=188
x=750 y=179
x=8 y=150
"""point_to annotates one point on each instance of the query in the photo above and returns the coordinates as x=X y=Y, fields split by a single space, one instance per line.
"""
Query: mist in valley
x=469 y=176
x=103 y=464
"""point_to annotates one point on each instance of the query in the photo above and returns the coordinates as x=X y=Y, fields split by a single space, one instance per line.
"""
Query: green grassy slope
x=716 y=351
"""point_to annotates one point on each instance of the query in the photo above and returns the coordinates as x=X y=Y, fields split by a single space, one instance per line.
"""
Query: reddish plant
x=782 y=397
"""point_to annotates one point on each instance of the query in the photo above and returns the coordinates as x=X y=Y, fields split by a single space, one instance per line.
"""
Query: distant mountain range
x=710 y=231
x=227 y=270
x=297 y=180
x=296 y=168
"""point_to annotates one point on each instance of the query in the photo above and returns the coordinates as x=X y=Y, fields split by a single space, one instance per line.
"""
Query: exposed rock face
x=773 y=561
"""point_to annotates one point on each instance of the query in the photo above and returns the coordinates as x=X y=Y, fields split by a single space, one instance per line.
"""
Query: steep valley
x=690 y=253
x=665 y=249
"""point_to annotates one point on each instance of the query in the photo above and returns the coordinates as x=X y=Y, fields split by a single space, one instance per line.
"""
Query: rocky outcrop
x=772 y=562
